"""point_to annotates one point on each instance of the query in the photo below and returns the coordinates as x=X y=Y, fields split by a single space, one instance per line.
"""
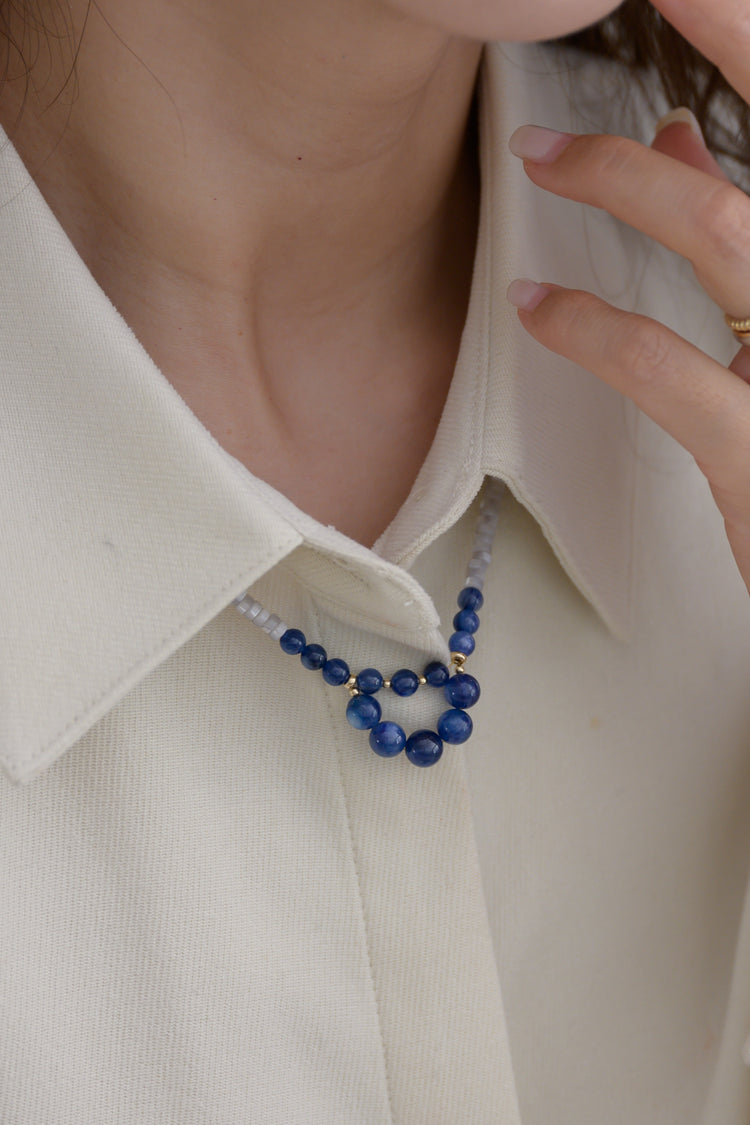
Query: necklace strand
x=460 y=689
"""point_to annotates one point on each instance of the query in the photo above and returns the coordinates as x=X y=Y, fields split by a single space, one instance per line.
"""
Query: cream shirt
x=216 y=904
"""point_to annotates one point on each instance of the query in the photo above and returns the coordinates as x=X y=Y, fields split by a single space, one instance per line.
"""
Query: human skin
x=270 y=194
x=675 y=193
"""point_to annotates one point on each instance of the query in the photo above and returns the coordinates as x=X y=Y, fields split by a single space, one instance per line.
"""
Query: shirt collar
x=127 y=527
x=561 y=439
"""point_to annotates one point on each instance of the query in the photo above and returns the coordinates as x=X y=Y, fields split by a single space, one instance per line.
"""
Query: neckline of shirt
x=128 y=528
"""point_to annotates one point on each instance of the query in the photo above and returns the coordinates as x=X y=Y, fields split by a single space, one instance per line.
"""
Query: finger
x=688 y=210
x=740 y=365
x=705 y=407
x=720 y=29
x=678 y=135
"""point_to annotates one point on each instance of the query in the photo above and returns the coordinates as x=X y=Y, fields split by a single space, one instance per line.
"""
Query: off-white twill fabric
x=216 y=905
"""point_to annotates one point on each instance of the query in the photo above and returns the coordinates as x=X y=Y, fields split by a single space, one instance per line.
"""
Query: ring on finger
x=740 y=327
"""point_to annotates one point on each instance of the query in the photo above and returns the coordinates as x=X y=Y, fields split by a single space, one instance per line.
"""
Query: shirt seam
x=363 y=909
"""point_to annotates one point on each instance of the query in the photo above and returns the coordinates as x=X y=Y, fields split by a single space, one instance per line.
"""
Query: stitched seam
x=139 y=663
x=355 y=863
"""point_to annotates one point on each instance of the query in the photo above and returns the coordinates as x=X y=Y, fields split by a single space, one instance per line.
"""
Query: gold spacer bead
x=386 y=683
x=737 y=323
x=422 y=680
x=458 y=658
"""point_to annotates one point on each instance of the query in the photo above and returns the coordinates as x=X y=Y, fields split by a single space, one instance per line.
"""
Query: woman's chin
x=507 y=20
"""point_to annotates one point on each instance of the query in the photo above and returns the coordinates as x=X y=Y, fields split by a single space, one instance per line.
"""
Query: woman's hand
x=677 y=194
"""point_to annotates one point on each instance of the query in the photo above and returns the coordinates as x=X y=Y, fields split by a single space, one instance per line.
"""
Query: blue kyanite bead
x=387 y=739
x=369 y=681
x=462 y=690
x=293 y=641
x=436 y=674
x=470 y=598
x=455 y=726
x=424 y=747
x=466 y=621
x=313 y=657
x=462 y=642
x=404 y=682
x=363 y=712
x=336 y=672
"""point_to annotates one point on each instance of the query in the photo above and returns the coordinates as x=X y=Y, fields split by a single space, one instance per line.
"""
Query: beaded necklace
x=460 y=690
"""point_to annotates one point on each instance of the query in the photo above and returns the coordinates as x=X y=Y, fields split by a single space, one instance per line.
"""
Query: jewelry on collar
x=461 y=690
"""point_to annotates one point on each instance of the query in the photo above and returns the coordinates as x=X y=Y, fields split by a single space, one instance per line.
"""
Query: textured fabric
x=216 y=904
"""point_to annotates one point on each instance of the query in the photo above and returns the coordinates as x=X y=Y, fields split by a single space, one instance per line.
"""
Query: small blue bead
x=404 y=682
x=455 y=726
x=313 y=657
x=423 y=748
x=462 y=642
x=470 y=598
x=462 y=690
x=363 y=712
x=466 y=621
x=336 y=672
x=293 y=641
x=387 y=739
x=436 y=674
x=369 y=681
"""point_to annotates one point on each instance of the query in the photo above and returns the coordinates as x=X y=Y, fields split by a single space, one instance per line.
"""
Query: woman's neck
x=280 y=200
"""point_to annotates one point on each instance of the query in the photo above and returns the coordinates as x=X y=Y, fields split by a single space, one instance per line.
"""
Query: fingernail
x=533 y=142
x=681 y=114
x=525 y=294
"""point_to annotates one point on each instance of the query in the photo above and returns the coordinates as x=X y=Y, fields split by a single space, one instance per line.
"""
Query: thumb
x=678 y=134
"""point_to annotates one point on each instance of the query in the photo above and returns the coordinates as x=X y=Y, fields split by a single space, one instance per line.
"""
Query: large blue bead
x=455 y=726
x=436 y=674
x=466 y=621
x=387 y=739
x=423 y=748
x=369 y=681
x=470 y=598
x=462 y=690
x=404 y=682
x=336 y=672
x=363 y=712
x=313 y=657
x=462 y=642
x=293 y=641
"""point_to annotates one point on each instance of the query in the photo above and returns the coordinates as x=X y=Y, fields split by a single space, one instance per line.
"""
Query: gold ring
x=740 y=327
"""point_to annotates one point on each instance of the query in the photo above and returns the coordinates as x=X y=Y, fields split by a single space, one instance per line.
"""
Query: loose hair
x=637 y=36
